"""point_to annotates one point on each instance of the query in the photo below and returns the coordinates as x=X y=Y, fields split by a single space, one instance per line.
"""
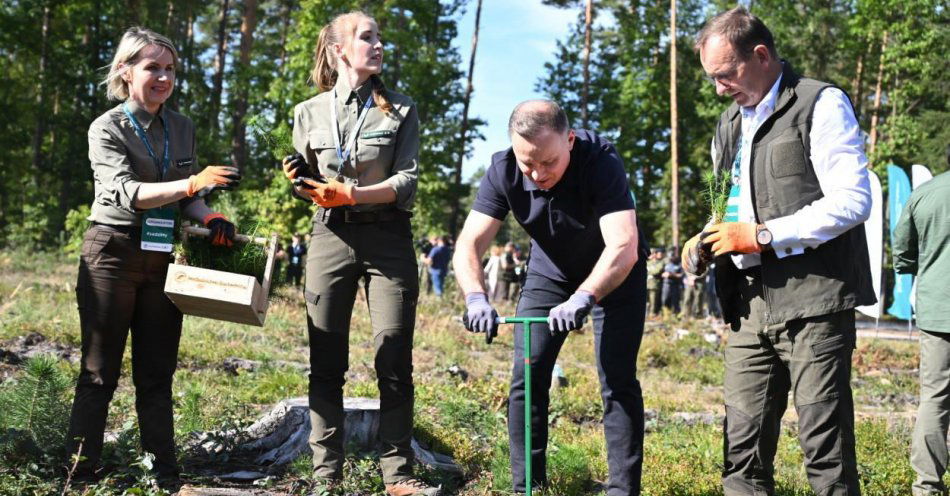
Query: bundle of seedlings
x=716 y=193
x=248 y=259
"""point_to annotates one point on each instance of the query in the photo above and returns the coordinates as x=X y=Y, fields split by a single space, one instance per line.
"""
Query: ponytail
x=324 y=72
x=379 y=94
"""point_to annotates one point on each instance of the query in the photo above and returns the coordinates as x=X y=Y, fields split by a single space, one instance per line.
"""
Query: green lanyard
x=140 y=132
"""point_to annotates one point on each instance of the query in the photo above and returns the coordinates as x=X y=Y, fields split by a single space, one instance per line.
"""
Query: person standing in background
x=296 y=255
x=672 y=282
x=921 y=246
x=438 y=262
x=655 y=267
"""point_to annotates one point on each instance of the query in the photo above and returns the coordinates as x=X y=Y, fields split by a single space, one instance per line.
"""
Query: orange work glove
x=329 y=194
x=695 y=256
x=731 y=237
x=222 y=230
x=214 y=176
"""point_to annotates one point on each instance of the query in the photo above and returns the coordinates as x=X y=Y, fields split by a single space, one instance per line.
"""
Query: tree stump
x=280 y=436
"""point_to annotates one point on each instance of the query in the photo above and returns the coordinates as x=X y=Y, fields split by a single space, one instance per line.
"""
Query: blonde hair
x=133 y=41
x=341 y=30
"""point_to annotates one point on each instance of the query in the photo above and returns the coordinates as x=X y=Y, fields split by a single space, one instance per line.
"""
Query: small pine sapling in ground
x=36 y=411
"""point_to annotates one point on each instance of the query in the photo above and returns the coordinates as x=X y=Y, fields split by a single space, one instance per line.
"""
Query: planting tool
x=526 y=321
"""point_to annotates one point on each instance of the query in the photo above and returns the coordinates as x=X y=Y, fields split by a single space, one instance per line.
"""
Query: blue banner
x=898 y=186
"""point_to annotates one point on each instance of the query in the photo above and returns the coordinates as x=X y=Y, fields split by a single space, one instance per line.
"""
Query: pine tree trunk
x=239 y=135
x=585 y=93
x=857 y=82
x=674 y=130
x=872 y=142
x=217 y=80
x=40 y=130
x=456 y=200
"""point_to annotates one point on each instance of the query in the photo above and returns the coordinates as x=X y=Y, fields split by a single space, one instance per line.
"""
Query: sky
x=515 y=39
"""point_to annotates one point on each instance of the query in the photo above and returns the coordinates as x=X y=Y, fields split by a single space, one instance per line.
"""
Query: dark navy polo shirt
x=563 y=222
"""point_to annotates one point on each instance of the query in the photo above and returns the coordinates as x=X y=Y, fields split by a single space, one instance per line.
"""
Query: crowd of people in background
x=678 y=292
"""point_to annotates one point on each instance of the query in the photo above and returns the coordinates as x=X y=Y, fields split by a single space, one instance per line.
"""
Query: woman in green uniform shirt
x=144 y=169
x=358 y=144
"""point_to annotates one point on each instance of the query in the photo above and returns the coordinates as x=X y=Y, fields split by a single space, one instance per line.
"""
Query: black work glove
x=571 y=314
x=222 y=230
x=295 y=166
x=480 y=316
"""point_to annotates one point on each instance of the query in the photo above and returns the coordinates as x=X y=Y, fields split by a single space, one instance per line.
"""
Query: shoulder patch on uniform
x=184 y=162
x=383 y=133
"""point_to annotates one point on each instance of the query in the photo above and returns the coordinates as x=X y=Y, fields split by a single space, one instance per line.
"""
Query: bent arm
x=476 y=236
x=619 y=256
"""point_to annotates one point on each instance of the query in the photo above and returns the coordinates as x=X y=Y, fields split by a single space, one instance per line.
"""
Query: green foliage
x=75 y=229
x=35 y=411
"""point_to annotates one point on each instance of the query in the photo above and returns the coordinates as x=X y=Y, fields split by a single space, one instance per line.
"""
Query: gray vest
x=834 y=276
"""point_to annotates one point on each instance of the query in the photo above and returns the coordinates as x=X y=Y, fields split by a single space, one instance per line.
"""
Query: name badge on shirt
x=158 y=229
x=385 y=133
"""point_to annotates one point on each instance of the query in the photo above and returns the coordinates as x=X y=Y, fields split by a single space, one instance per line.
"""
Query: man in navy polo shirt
x=569 y=191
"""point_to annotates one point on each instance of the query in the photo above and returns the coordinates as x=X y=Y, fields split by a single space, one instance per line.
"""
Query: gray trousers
x=810 y=357
x=379 y=257
x=928 y=453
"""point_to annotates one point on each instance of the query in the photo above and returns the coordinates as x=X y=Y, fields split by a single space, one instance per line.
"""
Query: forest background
x=245 y=64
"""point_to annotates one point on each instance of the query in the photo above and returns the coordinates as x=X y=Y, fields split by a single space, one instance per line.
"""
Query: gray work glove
x=696 y=255
x=571 y=314
x=480 y=316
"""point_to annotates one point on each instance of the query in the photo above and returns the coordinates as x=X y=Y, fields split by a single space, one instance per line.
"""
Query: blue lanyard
x=166 y=159
x=344 y=153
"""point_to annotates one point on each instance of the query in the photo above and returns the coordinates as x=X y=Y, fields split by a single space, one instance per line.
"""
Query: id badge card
x=158 y=229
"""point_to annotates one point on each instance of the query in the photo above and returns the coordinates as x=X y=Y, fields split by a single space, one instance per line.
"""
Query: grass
x=679 y=372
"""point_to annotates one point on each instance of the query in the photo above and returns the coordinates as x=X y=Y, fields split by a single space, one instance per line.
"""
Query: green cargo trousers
x=928 y=452
x=380 y=257
x=810 y=357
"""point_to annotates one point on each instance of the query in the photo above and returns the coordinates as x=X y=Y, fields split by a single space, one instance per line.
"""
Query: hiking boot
x=412 y=487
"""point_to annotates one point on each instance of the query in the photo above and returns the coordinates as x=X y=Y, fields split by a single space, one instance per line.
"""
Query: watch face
x=764 y=236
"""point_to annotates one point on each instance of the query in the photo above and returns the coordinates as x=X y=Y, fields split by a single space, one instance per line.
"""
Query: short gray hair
x=133 y=41
x=531 y=117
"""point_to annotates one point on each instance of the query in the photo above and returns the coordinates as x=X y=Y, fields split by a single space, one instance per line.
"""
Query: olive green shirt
x=121 y=163
x=921 y=245
x=386 y=149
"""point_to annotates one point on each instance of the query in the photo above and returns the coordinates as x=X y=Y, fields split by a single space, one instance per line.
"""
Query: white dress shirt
x=837 y=156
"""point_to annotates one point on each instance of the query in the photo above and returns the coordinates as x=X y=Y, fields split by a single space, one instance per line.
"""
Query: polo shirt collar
x=346 y=94
x=142 y=115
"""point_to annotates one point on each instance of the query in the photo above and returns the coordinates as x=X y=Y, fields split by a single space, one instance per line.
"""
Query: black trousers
x=121 y=288
x=618 y=329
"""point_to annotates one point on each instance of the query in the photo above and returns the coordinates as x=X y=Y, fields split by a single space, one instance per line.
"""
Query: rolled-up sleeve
x=405 y=171
x=112 y=170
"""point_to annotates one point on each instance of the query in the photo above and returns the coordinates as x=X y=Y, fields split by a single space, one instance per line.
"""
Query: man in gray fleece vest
x=791 y=257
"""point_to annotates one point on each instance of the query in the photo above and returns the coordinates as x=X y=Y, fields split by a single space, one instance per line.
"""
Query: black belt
x=130 y=230
x=354 y=217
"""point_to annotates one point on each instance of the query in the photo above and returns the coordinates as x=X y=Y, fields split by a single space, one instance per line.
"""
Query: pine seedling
x=278 y=140
x=249 y=259
x=36 y=407
x=716 y=193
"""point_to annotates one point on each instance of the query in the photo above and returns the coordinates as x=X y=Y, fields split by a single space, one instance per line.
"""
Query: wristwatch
x=763 y=236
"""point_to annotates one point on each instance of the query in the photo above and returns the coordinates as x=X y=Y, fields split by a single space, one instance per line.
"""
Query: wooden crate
x=220 y=295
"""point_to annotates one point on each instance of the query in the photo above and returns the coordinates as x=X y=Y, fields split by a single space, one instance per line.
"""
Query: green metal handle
x=521 y=320
x=527 y=321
